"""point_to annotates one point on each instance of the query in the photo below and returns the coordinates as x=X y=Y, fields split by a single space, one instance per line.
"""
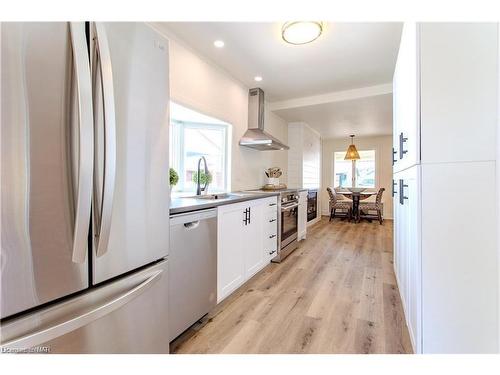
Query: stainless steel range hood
x=255 y=137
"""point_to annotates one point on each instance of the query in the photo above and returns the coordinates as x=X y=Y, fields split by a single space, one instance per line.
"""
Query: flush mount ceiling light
x=219 y=43
x=301 y=32
x=258 y=78
x=352 y=153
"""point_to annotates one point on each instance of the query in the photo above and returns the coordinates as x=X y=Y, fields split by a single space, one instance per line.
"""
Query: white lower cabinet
x=253 y=238
x=445 y=257
x=302 y=212
x=246 y=242
x=459 y=258
x=407 y=254
x=231 y=238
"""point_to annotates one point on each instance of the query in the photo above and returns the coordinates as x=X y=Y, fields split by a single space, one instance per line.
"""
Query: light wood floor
x=336 y=293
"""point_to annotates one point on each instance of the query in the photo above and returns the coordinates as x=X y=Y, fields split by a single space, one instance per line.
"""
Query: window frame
x=354 y=166
x=201 y=125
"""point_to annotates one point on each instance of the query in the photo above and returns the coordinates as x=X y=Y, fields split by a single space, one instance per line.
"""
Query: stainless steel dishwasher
x=193 y=268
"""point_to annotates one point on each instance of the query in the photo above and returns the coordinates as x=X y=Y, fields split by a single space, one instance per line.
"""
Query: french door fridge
x=85 y=195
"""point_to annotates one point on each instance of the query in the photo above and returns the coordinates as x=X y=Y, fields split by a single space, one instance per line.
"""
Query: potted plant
x=174 y=178
x=205 y=179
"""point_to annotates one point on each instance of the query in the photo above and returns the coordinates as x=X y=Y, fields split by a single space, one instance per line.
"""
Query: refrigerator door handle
x=103 y=52
x=86 y=136
x=72 y=323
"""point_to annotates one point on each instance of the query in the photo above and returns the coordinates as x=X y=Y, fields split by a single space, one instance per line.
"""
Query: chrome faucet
x=198 y=185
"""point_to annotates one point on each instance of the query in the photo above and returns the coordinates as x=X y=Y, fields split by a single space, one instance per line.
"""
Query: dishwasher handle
x=192 y=225
x=191 y=220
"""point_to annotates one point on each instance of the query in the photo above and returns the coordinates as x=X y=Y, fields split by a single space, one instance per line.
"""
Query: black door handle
x=245 y=220
x=249 y=215
x=402 y=141
x=402 y=187
x=394 y=192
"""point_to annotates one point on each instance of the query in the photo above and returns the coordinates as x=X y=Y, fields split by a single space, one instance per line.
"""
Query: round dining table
x=356 y=197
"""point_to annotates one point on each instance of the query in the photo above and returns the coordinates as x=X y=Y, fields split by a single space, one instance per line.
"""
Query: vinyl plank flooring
x=336 y=293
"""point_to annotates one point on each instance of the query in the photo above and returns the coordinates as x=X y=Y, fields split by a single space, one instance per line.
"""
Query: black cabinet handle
x=272 y=220
x=272 y=204
x=402 y=141
x=402 y=187
x=272 y=236
x=394 y=192
x=394 y=160
x=245 y=220
x=249 y=215
x=272 y=252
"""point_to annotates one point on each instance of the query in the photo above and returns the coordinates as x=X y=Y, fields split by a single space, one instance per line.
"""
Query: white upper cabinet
x=458 y=91
x=406 y=133
x=444 y=94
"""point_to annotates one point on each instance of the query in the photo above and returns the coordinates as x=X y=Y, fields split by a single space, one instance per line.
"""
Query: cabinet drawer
x=271 y=216
x=270 y=227
x=271 y=203
x=270 y=245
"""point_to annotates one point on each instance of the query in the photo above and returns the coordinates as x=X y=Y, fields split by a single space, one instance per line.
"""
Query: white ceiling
x=368 y=116
x=346 y=56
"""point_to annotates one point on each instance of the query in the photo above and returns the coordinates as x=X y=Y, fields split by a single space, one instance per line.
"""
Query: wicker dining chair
x=377 y=206
x=337 y=204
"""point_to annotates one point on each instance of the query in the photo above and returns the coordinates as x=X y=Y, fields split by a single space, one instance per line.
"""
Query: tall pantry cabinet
x=445 y=217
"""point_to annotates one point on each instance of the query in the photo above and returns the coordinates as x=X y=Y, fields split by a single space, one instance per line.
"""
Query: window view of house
x=193 y=135
x=362 y=169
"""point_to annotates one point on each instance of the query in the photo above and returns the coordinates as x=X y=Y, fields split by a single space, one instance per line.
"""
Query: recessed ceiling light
x=219 y=43
x=301 y=32
x=258 y=78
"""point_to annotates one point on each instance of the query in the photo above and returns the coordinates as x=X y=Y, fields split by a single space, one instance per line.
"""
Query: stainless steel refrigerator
x=84 y=188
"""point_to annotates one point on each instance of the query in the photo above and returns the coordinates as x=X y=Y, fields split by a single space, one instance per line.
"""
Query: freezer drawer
x=129 y=315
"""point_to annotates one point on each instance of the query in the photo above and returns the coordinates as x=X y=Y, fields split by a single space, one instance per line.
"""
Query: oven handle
x=286 y=208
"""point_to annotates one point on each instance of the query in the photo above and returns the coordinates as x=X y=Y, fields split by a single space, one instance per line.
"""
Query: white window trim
x=377 y=166
x=196 y=125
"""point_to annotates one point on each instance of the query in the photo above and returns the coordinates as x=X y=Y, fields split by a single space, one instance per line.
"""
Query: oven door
x=289 y=223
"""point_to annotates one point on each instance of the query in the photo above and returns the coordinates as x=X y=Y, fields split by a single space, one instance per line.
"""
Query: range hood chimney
x=255 y=137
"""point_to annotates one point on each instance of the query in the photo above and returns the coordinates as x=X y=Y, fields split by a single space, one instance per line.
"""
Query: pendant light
x=352 y=153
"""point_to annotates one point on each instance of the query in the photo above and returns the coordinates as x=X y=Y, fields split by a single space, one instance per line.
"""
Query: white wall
x=383 y=153
x=201 y=85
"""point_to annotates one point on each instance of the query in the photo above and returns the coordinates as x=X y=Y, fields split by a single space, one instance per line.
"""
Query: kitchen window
x=355 y=173
x=193 y=135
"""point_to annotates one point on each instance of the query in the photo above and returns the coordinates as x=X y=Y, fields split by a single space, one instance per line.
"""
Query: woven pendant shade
x=352 y=153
